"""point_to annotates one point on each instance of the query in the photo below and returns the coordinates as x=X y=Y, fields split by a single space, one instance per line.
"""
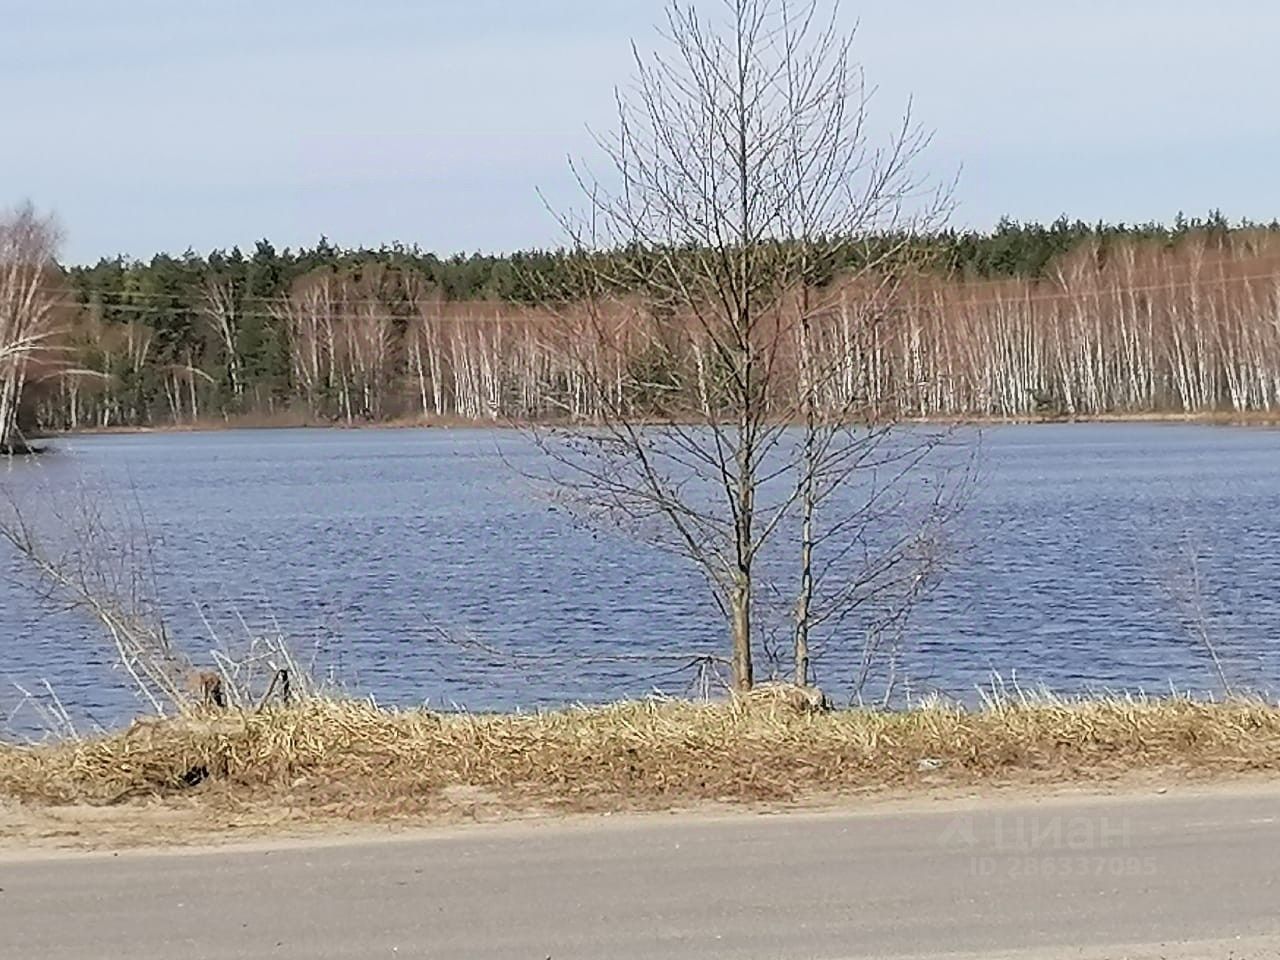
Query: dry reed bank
x=324 y=760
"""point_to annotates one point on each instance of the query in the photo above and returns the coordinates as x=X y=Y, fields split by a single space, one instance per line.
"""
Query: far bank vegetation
x=1184 y=324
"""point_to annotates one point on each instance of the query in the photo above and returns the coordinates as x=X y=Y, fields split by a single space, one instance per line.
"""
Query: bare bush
x=89 y=554
x=29 y=297
x=1185 y=590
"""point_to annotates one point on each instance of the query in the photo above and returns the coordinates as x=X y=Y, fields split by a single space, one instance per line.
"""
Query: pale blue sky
x=160 y=124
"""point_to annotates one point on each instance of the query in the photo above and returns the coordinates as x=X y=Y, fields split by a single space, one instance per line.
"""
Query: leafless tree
x=29 y=299
x=220 y=308
x=742 y=175
x=309 y=314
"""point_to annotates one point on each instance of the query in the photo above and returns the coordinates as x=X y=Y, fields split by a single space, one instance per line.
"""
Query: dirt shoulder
x=38 y=831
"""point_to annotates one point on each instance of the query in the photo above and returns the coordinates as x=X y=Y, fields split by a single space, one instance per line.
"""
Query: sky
x=150 y=125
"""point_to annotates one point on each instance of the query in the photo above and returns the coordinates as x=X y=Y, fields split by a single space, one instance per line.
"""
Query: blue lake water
x=363 y=547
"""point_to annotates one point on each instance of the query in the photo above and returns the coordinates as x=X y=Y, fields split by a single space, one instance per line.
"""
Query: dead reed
x=364 y=761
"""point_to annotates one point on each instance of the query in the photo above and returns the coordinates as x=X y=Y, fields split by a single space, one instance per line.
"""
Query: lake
x=424 y=566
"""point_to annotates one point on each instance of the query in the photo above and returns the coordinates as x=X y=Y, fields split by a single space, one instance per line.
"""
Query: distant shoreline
x=1224 y=419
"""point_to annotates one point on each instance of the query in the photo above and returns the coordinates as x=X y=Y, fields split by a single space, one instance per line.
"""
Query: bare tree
x=742 y=175
x=29 y=298
x=220 y=308
x=310 y=313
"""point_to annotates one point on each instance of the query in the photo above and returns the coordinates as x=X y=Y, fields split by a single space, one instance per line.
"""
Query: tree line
x=1069 y=318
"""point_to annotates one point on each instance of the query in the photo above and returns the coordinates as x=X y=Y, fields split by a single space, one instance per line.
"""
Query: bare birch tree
x=743 y=170
x=220 y=308
x=29 y=298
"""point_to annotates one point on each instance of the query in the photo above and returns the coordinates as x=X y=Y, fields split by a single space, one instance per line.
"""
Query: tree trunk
x=740 y=606
x=740 y=596
x=808 y=501
x=8 y=411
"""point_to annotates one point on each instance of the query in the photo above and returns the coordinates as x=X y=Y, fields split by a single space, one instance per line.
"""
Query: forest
x=1026 y=320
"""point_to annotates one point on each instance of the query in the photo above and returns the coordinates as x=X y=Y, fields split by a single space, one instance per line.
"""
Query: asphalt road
x=1140 y=876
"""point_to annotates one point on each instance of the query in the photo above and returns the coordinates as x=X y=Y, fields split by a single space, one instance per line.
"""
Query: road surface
x=1137 y=876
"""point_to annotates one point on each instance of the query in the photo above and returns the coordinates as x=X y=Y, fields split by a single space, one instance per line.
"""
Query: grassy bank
x=356 y=761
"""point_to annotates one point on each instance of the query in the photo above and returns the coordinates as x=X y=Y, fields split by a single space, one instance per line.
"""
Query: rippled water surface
x=364 y=546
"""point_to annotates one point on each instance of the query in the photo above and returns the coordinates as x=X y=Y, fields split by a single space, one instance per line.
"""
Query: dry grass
x=360 y=761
